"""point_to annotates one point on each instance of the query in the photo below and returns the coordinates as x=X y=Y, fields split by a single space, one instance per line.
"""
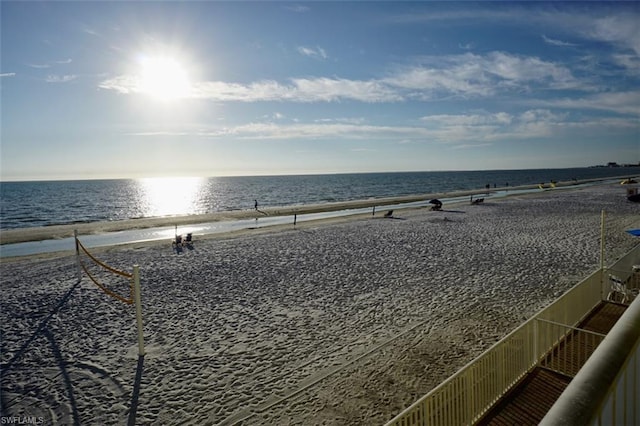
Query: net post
x=136 y=295
x=75 y=239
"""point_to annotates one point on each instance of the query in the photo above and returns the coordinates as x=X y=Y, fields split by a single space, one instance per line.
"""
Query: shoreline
x=32 y=234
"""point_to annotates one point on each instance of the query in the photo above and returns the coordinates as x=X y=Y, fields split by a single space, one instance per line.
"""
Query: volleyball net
x=120 y=285
x=109 y=288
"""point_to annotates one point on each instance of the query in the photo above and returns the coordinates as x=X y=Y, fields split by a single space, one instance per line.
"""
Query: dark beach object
x=437 y=204
x=389 y=213
x=634 y=197
x=634 y=232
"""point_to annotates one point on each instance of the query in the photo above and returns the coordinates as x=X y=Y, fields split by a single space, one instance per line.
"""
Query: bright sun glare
x=163 y=78
x=170 y=196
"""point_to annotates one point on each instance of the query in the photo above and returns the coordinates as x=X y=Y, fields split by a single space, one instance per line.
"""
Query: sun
x=163 y=78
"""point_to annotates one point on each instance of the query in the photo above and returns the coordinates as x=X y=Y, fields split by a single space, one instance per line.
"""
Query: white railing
x=606 y=390
x=569 y=353
x=466 y=396
x=621 y=405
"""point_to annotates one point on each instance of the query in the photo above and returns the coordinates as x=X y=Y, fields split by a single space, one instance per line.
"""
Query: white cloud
x=500 y=118
x=300 y=90
x=462 y=131
x=51 y=63
x=317 y=53
x=471 y=146
x=335 y=89
x=60 y=78
x=466 y=76
x=476 y=75
x=298 y=8
x=124 y=84
x=555 y=42
x=621 y=29
x=525 y=69
x=8 y=74
x=427 y=83
x=618 y=102
x=629 y=62
x=478 y=128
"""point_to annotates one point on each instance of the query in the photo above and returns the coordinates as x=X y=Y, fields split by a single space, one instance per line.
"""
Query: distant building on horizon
x=614 y=164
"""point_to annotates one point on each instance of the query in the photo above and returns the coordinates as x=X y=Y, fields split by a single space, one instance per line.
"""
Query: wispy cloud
x=621 y=29
x=555 y=42
x=298 y=8
x=87 y=30
x=481 y=75
x=630 y=62
x=49 y=64
x=60 y=78
x=458 y=131
x=8 y=74
x=466 y=75
x=618 y=102
x=471 y=146
x=478 y=128
x=317 y=53
x=297 y=90
x=602 y=23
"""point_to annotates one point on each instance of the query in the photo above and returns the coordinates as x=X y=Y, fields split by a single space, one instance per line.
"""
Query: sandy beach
x=340 y=322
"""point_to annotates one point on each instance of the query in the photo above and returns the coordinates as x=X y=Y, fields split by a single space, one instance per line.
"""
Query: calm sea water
x=28 y=204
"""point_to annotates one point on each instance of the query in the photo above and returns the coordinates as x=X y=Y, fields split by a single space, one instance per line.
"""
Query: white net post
x=136 y=295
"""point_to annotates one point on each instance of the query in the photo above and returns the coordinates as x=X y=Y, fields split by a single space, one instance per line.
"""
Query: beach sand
x=341 y=322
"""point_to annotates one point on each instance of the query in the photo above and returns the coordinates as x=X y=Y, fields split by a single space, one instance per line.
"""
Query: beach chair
x=389 y=213
x=619 y=292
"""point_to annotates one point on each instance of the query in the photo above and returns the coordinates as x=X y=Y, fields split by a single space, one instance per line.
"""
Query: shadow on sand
x=136 y=392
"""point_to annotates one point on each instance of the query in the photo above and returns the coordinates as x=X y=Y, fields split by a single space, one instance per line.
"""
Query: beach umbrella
x=635 y=232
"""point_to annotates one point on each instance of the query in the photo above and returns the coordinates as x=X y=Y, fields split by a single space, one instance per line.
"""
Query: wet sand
x=64 y=231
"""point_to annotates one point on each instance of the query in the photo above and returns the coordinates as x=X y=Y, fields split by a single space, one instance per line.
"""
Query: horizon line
x=179 y=176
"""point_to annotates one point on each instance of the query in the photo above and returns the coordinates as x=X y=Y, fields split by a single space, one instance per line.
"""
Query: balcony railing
x=469 y=394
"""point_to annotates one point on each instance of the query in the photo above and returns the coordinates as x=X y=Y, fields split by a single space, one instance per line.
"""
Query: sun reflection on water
x=169 y=196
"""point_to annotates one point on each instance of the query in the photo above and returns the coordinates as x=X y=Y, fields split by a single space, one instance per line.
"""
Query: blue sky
x=133 y=89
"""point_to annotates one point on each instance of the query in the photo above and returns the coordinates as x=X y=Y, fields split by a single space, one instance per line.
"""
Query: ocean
x=45 y=203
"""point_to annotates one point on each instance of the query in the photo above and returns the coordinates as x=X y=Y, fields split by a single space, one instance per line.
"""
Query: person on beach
x=255 y=204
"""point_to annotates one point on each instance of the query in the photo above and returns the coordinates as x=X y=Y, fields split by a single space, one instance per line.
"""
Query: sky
x=95 y=89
